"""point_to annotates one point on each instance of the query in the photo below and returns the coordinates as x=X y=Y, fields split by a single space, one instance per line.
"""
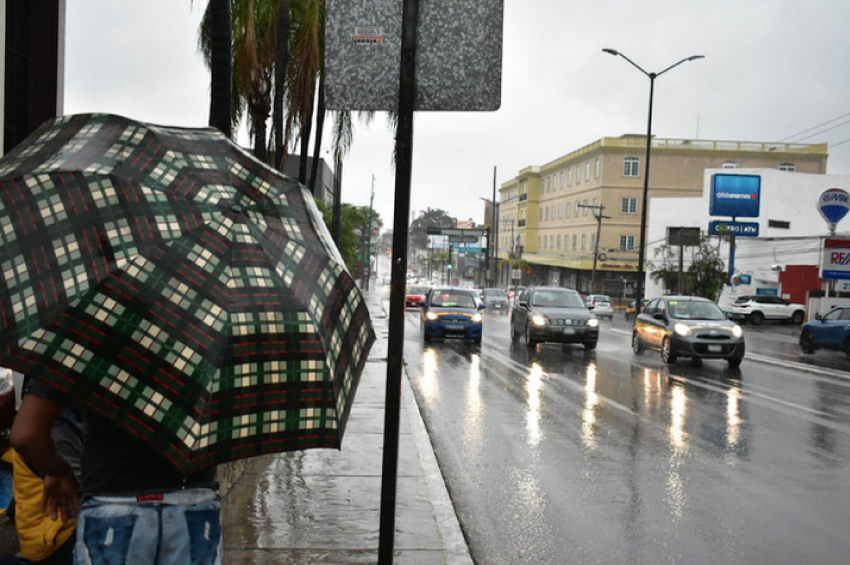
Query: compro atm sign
x=835 y=260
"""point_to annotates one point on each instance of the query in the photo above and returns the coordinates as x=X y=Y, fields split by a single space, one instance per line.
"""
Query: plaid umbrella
x=179 y=287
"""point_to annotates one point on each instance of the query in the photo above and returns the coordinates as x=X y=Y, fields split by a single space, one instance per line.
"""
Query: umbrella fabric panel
x=212 y=319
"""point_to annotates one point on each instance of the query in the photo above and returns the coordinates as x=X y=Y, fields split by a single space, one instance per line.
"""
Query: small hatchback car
x=495 y=298
x=452 y=313
x=601 y=304
x=831 y=331
x=687 y=326
x=551 y=313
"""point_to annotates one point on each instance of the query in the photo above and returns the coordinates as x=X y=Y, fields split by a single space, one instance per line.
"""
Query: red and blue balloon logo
x=833 y=205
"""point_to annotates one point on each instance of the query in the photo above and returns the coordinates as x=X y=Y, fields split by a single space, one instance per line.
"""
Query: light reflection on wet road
x=560 y=455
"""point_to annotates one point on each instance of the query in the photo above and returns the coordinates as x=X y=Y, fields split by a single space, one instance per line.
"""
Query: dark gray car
x=553 y=314
x=495 y=298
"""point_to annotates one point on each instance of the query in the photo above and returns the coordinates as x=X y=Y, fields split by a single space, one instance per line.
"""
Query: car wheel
x=514 y=334
x=637 y=346
x=807 y=342
x=756 y=318
x=798 y=317
x=667 y=352
x=528 y=340
x=590 y=345
x=734 y=362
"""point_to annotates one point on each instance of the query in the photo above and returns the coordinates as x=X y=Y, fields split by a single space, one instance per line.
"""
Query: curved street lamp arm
x=686 y=59
x=635 y=65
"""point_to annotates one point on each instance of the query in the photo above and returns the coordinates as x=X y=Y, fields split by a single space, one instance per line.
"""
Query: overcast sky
x=775 y=70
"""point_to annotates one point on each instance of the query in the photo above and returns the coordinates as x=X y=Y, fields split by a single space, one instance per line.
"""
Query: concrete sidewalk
x=323 y=506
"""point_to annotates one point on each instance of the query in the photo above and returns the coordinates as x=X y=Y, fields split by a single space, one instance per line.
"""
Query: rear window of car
x=601 y=298
x=417 y=290
x=494 y=292
x=453 y=300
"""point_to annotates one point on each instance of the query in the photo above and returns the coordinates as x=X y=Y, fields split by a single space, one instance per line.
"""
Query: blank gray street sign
x=459 y=55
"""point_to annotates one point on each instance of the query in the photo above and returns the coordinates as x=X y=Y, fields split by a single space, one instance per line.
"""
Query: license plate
x=497 y=305
x=453 y=327
x=569 y=331
x=715 y=348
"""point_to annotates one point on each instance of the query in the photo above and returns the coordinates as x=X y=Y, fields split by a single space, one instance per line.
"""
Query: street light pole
x=643 y=208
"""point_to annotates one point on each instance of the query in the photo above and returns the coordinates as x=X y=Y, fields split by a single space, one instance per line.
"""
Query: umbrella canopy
x=179 y=287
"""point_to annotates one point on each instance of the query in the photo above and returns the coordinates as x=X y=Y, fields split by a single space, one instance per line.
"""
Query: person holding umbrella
x=193 y=299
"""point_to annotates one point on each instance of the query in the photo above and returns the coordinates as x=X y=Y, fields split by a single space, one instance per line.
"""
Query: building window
x=560 y=211
x=584 y=210
x=570 y=176
x=547 y=214
x=593 y=241
x=787 y=167
x=587 y=171
x=554 y=209
x=559 y=241
x=567 y=210
x=631 y=167
x=562 y=179
x=578 y=174
x=596 y=202
x=627 y=242
x=583 y=241
x=576 y=211
x=551 y=242
x=730 y=165
x=540 y=215
x=539 y=245
x=598 y=166
x=628 y=205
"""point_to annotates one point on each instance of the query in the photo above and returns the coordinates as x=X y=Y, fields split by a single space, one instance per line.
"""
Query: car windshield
x=693 y=310
x=452 y=300
x=557 y=299
x=491 y=292
x=417 y=290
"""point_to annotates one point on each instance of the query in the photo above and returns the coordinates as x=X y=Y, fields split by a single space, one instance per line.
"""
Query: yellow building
x=549 y=215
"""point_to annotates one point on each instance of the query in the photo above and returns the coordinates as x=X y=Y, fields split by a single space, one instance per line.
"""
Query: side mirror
x=818 y=317
x=522 y=303
x=481 y=306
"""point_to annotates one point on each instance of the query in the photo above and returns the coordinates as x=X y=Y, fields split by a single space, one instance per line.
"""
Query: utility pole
x=369 y=239
x=596 y=209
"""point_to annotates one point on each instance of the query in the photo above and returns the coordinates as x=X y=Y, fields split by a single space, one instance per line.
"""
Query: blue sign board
x=745 y=229
x=737 y=196
x=464 y=249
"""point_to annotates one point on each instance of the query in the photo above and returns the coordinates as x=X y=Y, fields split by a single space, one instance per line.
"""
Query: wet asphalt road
x=563 y=456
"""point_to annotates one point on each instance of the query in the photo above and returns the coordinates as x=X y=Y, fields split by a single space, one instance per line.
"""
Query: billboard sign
x=833 y=204
x=746 y=229
x=835 y=259
x=737 y=196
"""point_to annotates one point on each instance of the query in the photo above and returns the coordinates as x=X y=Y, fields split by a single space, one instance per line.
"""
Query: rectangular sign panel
x=835 y=259
x=458 y=57
x=737 y=196
x=743 y=229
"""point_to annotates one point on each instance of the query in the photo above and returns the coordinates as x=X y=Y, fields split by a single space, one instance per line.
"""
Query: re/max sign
x=835 y=259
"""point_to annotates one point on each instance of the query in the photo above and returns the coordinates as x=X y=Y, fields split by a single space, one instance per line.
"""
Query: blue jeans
x=175 y=528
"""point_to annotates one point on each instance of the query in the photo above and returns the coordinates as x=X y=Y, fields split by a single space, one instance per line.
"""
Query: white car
x=756 y=309
x=601 y=305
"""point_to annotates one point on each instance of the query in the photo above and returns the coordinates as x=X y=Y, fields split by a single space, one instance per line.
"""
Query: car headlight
x=737 y=331
x=593 y=322
x=538 y=320
x=477 y=318
x=682 y=329
x=431 y=316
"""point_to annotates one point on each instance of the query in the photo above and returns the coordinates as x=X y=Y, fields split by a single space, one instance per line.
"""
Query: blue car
x=829 y=332
x=452 y=313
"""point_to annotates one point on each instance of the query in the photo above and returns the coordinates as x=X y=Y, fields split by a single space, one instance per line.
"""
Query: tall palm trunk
x=221 y=69
x=320 y=127
x=284 y=25
x=306 y=131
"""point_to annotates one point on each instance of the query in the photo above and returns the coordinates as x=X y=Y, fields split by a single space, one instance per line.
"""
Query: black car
x=553 y=314
x=687 y=326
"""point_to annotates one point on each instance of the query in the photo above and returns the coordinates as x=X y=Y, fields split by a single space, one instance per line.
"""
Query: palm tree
x=220 y=65
x=284 y=24
x=254 y=35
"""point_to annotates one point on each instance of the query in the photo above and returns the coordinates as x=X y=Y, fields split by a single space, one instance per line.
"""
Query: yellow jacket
x=39 y=535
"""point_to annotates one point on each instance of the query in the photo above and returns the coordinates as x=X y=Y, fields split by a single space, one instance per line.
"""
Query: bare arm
x=31 y=438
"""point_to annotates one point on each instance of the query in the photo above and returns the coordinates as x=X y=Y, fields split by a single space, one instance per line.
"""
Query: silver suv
x=757 y=309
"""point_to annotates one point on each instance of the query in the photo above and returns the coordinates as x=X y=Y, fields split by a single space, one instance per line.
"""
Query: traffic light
x=449 y=266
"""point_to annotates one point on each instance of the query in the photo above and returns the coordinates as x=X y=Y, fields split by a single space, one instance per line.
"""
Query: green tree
x=220 y=65
x=429 y=218
x=353 y=219
x=704 y=276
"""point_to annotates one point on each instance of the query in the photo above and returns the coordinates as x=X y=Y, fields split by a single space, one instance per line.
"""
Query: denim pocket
x=204 y=535
x=108 y=538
